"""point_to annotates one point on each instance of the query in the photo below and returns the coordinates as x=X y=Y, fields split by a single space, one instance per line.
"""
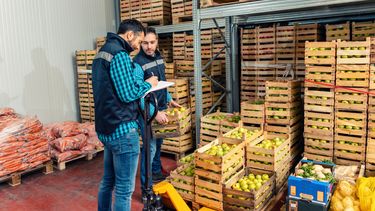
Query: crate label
x=293 y=205
x=293 y=190
x=306 y=196
x=320 y=196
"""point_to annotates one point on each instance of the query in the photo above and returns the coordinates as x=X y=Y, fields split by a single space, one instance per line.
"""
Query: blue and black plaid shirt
x=127 y=87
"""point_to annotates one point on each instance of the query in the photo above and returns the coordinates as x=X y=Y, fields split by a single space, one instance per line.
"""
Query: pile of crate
x=351 y=97
x=285 y=48
x=319 y=100
x=370 y=151
x=84 y=59
x=100 y=41
x=151 y=12
x=283 y=112
x=182 y=11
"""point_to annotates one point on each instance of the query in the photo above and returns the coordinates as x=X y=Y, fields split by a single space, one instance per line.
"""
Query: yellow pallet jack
x=163 y=196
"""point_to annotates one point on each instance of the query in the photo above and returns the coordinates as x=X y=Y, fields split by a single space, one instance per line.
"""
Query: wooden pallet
x=254 y=199
x=320 y=53
x=87 y=156
x=283 y=113
x=320 y=74
x=14 y=179
x=349 y=149
x=267 y=159
x=351 y=122
x=355 y=52
x=211 y=172
x=319 y=99
x=318 y=145
x=182 y=183
x=283 y=91
x=352 y=100
x=362 y=30
x=252 y=112
x=353 y=75
x=338 y=31
x=319 y=123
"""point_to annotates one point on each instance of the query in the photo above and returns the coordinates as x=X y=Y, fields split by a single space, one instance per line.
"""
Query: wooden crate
x=230 y=122
x=252 y=112
x=372 y=51
x=169 y=71
x=156 y=12
x=371 y=101
x=211 y=172
x=254 y=199
x=100 y=41
x=246 y=137
x=282 y=175
x=166 y=49
x=178 y=144
x=317 y=157
x=318 y=145
x=338 y=31
x=306 y=32
x=296 y=151
x=293 y=131
x=84 y=59
x=267 y=159
x=180 y=91
x=355 y=52
x=319 y=123
x=362 y=30
x=182 y=183
x=86 y=98
x=184 y=68
x=211 y=3
x=353 y=75
x=285 y=44
x=206 y=101
x=283 y=91
x=248 y=44
x=181 y=11
x=283 y=113
x=320 y=53
x=266 y=44
x=178 y=125
x=370 y=148
x=349 y=149
x=351 y=99
x=320 y=76
x=211 y=125
x=319 y=99
x=351 y=122
x=372 y=76
x=179 y=45
x=371 y=125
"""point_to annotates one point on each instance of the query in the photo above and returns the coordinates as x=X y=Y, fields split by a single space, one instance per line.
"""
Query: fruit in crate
x=250 y=182
x=174 y=111
x=345 y=197
x=258 y=102
x=220 y=150
x=234 y=118
x=187 y=159
x=240 y=133
x=315 y=172
x=216 y=117
x=271 y=144
x=189 y=171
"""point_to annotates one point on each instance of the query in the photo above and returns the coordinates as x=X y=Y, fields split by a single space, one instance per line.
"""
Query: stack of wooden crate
x=285 y=48
x=100 y=42
x=319 y=100
x=370 y=151
x=180 y=91
x=150 y=12
x=362 y=30
x=182 y=11
x=283 y=109
x=253 y=113
x=84 y=59
x=206 y=95
x=338 y=31
x=307 y=32
x=351 y=97
x=166 y=49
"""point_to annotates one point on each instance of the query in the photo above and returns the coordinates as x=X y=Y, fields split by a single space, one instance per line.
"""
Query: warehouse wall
x=37 y=43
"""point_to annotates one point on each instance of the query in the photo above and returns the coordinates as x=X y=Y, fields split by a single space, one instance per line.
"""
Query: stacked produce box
x=253 y=113
x=370 y=152
x=352 y=79
x=285 y=49
x=319 y=100
x=284 y=113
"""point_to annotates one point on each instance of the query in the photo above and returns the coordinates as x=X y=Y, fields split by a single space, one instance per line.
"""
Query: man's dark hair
x=151 y=30
x=130 y=25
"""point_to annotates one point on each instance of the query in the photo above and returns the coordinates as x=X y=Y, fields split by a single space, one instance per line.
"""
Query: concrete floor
x=73 y=189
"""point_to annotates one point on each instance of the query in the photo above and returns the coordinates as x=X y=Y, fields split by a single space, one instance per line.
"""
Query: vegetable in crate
x=315 y=172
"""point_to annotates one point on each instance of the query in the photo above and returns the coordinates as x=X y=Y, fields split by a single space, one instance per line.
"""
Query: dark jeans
x=120 y=168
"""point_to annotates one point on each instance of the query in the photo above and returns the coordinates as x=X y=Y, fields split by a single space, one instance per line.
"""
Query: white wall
x=38 y=39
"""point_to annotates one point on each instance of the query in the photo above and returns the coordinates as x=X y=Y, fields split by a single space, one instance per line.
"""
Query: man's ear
x=129 y=35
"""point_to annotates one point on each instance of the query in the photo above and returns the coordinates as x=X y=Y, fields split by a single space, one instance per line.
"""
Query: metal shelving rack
x=264 y=11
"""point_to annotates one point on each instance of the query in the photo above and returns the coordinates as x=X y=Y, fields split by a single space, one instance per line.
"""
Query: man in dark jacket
x=116 y=94
x=152 y=63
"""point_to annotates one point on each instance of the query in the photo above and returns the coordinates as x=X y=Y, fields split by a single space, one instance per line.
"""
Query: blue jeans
x=120 y=168
x=155 y=146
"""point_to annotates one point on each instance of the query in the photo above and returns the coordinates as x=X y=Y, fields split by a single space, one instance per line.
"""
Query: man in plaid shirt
x=116 y=96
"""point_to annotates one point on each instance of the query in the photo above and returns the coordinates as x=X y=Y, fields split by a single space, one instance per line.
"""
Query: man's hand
x=153 y=80
x=161 y=117
x=174 y=104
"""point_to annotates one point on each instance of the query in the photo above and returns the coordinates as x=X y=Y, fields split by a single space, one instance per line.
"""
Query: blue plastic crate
x=308 y=189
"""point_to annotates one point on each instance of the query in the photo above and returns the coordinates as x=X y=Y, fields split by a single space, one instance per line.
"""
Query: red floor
x=72 y=189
